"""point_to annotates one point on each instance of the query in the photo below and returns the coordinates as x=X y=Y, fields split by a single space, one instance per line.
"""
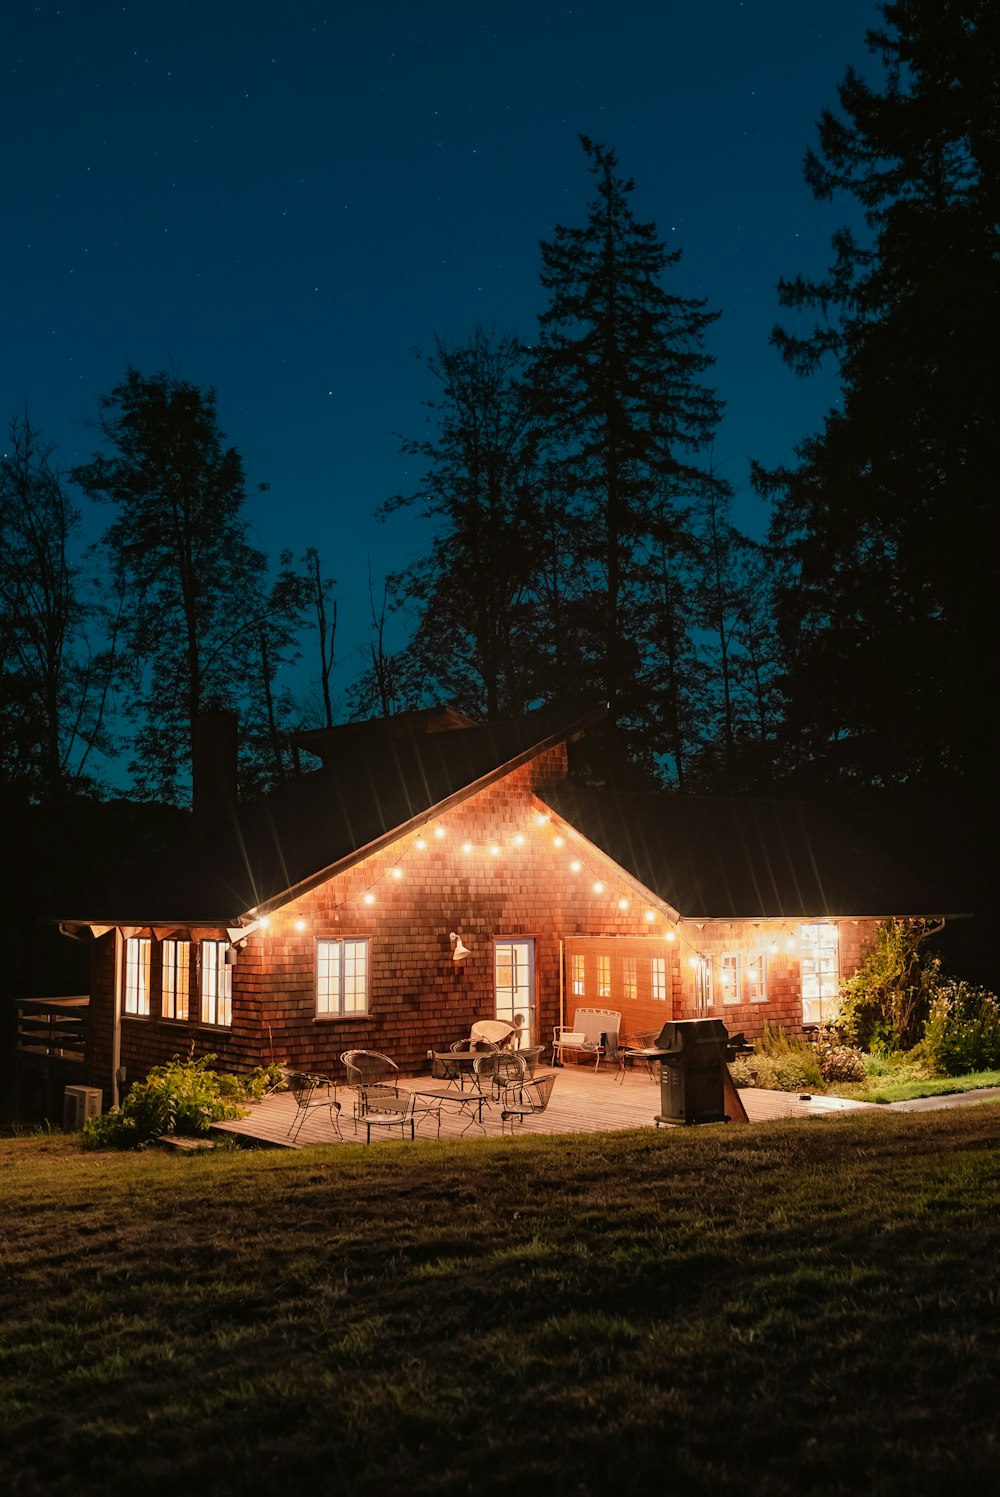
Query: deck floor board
x=582 y=1101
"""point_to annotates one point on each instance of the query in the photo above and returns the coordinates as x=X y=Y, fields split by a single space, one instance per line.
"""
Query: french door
x=514 y=985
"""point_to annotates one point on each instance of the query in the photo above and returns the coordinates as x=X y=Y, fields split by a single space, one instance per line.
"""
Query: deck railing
x=54 y=1027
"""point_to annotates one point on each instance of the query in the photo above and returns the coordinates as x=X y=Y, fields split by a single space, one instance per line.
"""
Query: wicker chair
x=311 y=1092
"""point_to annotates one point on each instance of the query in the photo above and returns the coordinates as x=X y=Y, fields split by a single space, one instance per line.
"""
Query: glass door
x=514 y=986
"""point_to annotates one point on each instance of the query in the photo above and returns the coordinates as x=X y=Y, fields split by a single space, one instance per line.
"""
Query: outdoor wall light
x=461 y=951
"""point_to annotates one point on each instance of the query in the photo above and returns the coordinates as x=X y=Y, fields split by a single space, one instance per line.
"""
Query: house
x=329 y=915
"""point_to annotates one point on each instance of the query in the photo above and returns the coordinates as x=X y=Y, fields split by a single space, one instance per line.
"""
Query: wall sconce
x=461 y=951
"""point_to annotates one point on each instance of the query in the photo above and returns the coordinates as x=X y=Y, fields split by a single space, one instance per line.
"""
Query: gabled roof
x=722 y=858
x=379 y=786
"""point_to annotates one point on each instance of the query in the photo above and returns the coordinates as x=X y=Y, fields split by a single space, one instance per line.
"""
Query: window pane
x=176 y=980
x=659 y=985
x=137 y=958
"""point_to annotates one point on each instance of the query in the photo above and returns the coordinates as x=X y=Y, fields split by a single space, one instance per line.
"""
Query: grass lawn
x=806 y=1307
x=885 y=1089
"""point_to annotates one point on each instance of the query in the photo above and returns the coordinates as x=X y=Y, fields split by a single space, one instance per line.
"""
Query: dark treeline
x=580 y=540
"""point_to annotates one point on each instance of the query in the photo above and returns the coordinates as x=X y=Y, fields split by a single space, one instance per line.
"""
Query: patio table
x=454 y=1065
x=471 y=1101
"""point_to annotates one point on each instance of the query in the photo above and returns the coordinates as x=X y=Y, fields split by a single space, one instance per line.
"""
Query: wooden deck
x=582 y=1102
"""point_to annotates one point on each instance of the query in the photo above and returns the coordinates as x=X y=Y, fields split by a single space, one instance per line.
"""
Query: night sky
x=283 y=200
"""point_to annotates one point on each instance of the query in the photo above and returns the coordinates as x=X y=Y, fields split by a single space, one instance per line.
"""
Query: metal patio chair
x=311 y=1092
x=524 y=1098
x=366 y=1070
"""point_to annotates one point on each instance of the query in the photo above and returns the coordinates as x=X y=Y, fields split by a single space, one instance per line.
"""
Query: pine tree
x=618 y=373
x=476 y=640
x=890 y=615
x=197 y=594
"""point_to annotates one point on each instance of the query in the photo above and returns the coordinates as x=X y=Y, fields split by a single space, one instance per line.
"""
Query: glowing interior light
x=558 y=841
x=369 y=898
x=574 y=867
x=623 y=904
x=598 y=887
x=650 y=916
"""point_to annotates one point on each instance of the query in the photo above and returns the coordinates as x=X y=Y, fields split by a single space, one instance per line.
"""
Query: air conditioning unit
x=79 y=1104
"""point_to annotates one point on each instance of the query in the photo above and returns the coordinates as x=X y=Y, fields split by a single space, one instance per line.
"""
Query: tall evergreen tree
x=618 y=373
x=54 y=678
x=196 y=591
x=890 y=613
x=476 y=622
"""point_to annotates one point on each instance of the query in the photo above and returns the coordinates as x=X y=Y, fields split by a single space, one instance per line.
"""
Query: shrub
x=779 y=1063
x=841 y=1063
x=963 y=1031
x=886 y=1003
x=180 y=1097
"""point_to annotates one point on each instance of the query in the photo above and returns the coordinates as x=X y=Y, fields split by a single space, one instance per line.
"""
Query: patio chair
x=531 y=1054
x=311 y=1092
x=525 y=1098
x=645 y=1039
x=494 y=1031
x=390 y=1107
x=504 y=1068
x=367 y=1069
x=588 y=1034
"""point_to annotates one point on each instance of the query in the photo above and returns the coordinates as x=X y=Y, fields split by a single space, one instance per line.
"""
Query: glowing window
x=659 y=979
x=135 y=997
x=216 y=984
x=630 y=984
x=756 y=969
x=820 y=958
x=604 y=976
x=729 y=977
x=175 y=1001
x=342 y=977
x=577 y=975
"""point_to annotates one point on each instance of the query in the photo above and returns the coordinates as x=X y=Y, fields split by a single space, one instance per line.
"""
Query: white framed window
x=135 y=997
x=756 y=971
x=729 y=977
x=820 y=962
x=342 y=977
x=175 y=990
x=604 y=977
x=630 y=978
x=578 y=975
x=658 y=982
x=216 y=984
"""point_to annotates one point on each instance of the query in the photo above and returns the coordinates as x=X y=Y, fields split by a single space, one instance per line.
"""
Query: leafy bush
x=885 y=1005
x=780 y=1063
x=963 y=1031
x=841 y=1063
x=183 y=1096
